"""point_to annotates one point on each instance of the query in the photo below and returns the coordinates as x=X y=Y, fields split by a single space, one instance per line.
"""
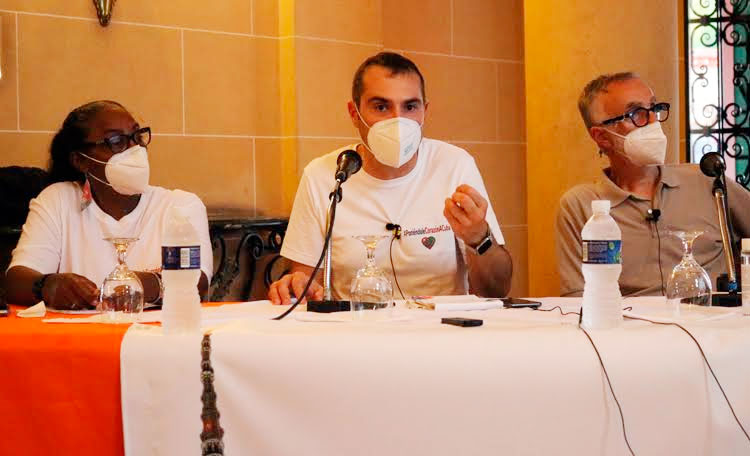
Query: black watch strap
x=484 y=245
x=37 y=287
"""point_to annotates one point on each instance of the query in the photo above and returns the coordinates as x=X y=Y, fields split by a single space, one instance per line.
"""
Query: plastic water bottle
x=181 y=262
x=745 y=276
x=602 y=265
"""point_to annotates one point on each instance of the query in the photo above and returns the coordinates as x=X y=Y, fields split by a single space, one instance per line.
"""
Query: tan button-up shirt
x=684 y=196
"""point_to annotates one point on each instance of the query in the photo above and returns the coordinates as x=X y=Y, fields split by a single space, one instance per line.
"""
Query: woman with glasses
x=100 y=189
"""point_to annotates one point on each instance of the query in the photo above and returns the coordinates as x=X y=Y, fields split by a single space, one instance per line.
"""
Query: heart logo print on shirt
x=428 y=241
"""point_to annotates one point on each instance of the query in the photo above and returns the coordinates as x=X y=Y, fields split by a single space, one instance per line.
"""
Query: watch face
x=484 y=246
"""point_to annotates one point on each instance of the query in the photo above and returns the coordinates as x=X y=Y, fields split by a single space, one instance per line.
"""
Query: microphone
x=712 y=165
x=652 y=215
x=348 y=163
x=395 y=227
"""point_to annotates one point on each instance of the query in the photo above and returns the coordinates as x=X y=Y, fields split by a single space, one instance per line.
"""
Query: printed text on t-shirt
x=427 y=230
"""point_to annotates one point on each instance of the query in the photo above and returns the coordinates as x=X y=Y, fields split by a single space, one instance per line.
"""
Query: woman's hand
x=69 y=291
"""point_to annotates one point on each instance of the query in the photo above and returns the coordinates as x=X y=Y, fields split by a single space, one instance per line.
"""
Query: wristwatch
x=38 y=285
x=484 y=245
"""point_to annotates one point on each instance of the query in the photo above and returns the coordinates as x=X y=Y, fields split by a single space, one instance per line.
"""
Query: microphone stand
x=328 y=304
x=347 y=163
x=732 y=298
x=335 y=197
x=321 y=306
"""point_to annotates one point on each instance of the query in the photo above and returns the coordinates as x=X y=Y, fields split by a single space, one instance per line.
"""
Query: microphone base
x=726 y=299
x=328 y=306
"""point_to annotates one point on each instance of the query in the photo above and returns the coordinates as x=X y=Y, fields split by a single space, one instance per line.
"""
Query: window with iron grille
x=717 y=39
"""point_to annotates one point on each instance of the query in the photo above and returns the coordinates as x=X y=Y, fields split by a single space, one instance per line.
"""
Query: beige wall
x=203 y=75
x=565 y=48
x=242 y=94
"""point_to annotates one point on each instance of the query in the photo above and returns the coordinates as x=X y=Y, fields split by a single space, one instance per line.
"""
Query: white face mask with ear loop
x=393 y=141
x=127 y=172
x=645 y=146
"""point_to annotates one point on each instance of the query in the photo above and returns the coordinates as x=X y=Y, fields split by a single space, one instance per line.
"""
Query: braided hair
x=70 y=138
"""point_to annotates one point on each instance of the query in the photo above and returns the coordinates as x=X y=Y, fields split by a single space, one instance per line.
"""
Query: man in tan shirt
x=648 y=198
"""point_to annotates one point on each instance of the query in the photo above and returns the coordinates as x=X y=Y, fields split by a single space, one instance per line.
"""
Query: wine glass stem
x=121 y=255
x=370 y=256
x=687 y=245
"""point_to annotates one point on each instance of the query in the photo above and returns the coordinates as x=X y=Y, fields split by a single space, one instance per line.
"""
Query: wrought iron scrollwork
x=254 y=243
x=230 y=269
x=717 y=45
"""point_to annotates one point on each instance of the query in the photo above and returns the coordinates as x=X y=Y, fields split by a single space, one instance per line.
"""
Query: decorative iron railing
x=717 y=39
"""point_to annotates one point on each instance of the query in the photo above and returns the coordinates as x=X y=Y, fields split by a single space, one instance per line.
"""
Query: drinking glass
x=371 y=288
x=121 y=295
x=689 y=283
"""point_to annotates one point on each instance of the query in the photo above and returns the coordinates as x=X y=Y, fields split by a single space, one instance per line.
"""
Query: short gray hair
x=597 y=86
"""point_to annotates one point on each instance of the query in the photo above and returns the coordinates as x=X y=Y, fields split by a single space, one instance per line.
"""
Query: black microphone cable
x=661 y=272
x=692 y=337
x=396 y=228
x=705 y=359
x=562 y=312
x=652 y=215
x=601 y=364
x=609 y=382
x=317 y=266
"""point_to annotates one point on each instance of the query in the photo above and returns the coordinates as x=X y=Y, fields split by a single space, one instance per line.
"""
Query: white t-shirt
x=426 y=258
x=60 y=237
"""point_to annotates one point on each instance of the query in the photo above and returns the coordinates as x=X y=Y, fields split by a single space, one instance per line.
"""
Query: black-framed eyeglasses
x=640 y=116
x=119 y=143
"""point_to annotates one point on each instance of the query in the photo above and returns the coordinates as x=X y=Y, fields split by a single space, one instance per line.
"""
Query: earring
x=85 y=194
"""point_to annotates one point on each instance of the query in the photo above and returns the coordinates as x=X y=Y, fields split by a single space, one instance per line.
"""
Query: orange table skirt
x=60 y=388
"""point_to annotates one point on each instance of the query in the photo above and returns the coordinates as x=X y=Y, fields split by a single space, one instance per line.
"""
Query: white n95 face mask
x=393 y=141
x=127 y=172
x=645 y=146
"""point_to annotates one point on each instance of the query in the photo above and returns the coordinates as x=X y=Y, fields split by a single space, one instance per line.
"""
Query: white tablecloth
x=524 y=383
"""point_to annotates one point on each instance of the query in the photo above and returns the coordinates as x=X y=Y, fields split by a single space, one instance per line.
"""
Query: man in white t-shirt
x=450 y=241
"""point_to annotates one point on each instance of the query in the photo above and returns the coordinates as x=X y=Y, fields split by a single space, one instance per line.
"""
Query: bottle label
x=181 y=257
x=602 y=252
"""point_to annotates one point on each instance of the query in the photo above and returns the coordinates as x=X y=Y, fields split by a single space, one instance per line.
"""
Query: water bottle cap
x=600 y=206
x=746 y=245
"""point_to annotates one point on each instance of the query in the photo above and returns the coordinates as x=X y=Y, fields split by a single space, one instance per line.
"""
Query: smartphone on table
x=518 y=303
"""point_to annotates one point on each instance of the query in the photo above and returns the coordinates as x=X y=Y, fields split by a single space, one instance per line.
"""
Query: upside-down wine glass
x=371 y=288
x=121 y=295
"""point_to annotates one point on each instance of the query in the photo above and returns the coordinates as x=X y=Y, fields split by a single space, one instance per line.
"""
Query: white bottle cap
x=600 y=206
x=746 y=245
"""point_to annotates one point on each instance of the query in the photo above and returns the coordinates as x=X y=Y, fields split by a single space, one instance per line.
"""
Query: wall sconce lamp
x=104 y=10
